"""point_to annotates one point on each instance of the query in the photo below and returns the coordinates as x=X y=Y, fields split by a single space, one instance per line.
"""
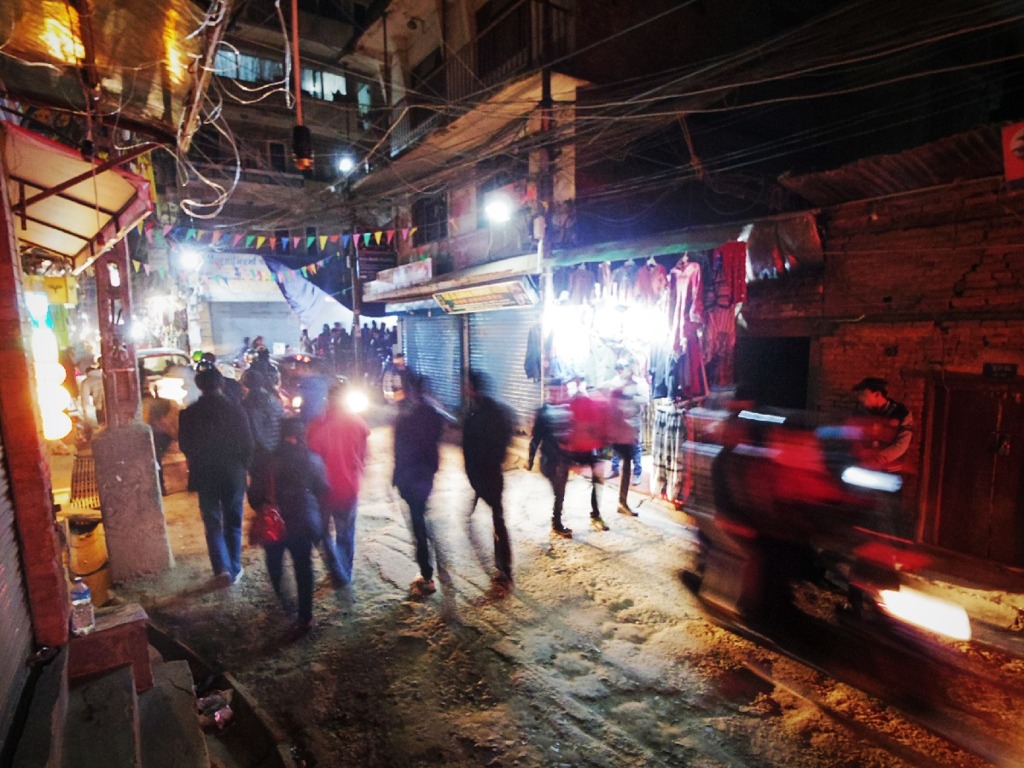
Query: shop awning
x=794 y=234
x=65 y=205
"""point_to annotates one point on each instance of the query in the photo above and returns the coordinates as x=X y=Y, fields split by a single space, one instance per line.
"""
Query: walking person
x=486 y=434
x=293 y=477
x=214 y=435
x=264 y=410
x=418 y=431
x=339 y=437
x=586 y=441
x=550 y=428
x=629 y=394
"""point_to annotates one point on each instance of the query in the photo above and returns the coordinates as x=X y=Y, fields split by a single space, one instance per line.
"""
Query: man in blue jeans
x=214 y=435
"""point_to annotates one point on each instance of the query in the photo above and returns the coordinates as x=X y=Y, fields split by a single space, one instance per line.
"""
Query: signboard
x=372 y=263
x=403 y=276
x=1013 y=154
x=483 y=298
x=999 y=370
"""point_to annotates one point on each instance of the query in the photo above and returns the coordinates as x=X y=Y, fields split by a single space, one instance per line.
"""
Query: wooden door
x=975 y=501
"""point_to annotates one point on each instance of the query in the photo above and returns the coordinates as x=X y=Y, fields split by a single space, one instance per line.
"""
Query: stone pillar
x=133 y=515
x=126 y=470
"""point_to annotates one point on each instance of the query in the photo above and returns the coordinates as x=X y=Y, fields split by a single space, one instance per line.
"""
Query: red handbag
x=268 y=526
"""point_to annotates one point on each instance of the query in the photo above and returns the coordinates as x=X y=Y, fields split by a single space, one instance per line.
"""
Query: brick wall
x=913 y=285
x=26 y=460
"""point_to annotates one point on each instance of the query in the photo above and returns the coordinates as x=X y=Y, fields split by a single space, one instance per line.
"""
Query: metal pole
x=357 y=305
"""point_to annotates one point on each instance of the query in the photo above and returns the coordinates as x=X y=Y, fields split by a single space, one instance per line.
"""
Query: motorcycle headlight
x=297 y=402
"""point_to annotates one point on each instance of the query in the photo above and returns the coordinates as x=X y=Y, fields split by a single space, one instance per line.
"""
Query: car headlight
x=171 y=388
x=356 y=401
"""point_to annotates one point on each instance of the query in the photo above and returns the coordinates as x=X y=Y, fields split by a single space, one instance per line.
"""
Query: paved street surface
x=599 y=657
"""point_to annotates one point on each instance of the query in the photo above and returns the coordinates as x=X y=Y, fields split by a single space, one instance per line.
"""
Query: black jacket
x=486 y=434
x=298 y=479
x=214 y=435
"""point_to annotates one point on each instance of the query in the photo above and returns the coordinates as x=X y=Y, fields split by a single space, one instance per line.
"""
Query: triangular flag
x=304 y=272
x=366 y=239
x=344 y=241
x=323 y=242
x=217 y=235
x=249 y=239
x=167 y=228
x=136 y=264
x=312 y=268
x=139 y=226
x=334 y=238
x=391 y=236
x=377 y=236
x=310 y=239
x=413 y=231
x=405 y=234
x=190 y=234
x=236 y=239
x=284 y=242
x=146 y=268
x=273 y=243
x=149 y=236
x=260 y=240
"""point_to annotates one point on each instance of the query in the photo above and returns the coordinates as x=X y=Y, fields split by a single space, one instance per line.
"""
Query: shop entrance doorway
x=776 y=368
x=975 y=485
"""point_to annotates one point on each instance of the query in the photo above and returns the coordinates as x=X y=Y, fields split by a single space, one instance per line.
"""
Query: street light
x=498 y=208
x=346 y=163
x=190 y=258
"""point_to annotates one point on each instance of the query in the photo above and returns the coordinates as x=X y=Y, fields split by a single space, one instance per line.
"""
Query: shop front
x=670 y=304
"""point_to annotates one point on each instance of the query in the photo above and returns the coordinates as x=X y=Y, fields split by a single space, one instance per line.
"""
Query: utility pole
x=357 y=305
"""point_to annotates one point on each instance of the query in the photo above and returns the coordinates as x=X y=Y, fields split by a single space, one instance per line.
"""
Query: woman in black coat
x=295 y=477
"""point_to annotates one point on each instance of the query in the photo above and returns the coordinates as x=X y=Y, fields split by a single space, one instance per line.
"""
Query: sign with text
x=999 y=370
x=483 y=298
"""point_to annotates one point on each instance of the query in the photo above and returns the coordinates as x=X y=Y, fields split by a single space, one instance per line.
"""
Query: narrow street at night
x=599 y=657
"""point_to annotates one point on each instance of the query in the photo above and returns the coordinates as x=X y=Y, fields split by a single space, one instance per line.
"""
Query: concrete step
x=171 y=737
x=102 y=729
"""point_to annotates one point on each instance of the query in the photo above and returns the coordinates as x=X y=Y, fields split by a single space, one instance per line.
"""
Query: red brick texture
x=911 y=285
x=26 y=461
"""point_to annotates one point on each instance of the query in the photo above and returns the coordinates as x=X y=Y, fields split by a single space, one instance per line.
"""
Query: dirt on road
x=600 y=656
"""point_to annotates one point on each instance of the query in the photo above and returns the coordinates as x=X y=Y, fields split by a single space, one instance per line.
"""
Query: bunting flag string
x=330 y=246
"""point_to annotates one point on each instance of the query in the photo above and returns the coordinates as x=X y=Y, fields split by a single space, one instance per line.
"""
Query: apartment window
x=255 y=69
x=503 y=37
x=430 y=217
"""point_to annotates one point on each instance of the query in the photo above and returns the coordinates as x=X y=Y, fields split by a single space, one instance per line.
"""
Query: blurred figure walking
x=213 y=433
x=339 y=437
x=294 y=478
x=486 y=434
x=264 y=410
x=550 y=429
x=629 y=394
x=418 y=431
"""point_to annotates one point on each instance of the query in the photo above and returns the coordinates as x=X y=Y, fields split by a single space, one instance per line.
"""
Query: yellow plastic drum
x=88 y=557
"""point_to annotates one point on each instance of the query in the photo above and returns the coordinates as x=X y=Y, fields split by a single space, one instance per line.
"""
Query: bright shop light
x=190 y=258
x=498 y=209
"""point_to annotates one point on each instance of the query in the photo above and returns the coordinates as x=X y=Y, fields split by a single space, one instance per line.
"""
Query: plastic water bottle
x=83 y=617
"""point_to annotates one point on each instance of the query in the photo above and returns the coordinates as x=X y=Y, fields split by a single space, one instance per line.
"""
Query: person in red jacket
x=586 y=442
x=339 y=438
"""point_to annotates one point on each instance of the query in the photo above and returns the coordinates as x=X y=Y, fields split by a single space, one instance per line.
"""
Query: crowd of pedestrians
x=311 y=468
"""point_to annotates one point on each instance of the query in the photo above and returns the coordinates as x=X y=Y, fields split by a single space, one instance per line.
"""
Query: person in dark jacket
x=213 y=433
x=418 y=431
x=264 y=410
x=550 y=428
x=486 y=434
x=293 y=477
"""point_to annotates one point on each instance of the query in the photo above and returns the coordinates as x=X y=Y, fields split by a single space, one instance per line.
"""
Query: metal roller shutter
x=433 y=348
x=497 y=347
x=16 y=627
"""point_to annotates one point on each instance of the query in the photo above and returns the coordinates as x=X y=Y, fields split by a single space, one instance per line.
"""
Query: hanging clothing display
x=581 y=285
x=532 y=362
x=721 y=342
x=623 y=280
x=671 y=478
x=651 y=281
x=604 y=279
x=729 y=274
x=686 y=315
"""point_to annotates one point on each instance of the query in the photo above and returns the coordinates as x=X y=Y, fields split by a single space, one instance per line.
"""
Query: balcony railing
x=512 y=45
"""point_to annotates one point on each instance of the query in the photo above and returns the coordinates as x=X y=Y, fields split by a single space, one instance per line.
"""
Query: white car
x=167 y=373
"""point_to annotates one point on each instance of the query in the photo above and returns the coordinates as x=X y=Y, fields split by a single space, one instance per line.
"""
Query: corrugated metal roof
x=972 y=155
